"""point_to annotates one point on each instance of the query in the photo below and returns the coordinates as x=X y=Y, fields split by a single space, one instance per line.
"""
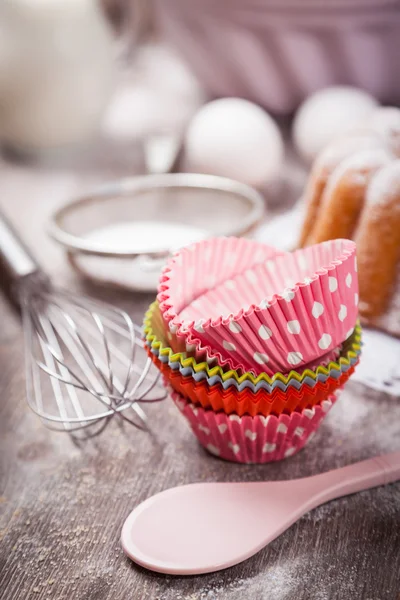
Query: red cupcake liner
x=247 y=402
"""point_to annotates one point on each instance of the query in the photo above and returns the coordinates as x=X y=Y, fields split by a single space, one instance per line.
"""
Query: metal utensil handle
x=16 y=261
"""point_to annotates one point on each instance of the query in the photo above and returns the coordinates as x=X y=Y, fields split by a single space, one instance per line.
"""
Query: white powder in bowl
x=140 y=273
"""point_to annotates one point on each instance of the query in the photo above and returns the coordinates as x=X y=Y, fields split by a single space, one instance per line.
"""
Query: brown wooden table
x=62 y=503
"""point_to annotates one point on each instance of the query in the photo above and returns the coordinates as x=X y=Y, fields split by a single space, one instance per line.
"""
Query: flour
x=142 y=236
x=140 y=273
x=379 y=366
x=360 y=425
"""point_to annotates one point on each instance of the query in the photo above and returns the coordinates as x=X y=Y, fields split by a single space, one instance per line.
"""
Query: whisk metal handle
x=16 y=261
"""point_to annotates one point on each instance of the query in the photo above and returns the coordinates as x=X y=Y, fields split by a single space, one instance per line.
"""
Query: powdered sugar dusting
x=367 y=161
x=386 y=123
x=344 y=147
x=385 y=185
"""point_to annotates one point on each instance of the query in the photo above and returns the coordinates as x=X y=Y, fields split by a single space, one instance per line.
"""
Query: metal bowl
x=122 y=232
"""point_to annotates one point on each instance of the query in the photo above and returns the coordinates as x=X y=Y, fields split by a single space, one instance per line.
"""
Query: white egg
x=234 y=138
x=327 y=114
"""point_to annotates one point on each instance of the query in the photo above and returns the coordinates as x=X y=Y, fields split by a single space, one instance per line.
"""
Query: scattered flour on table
x=361 y=421
x=286 y=580
x=277 y=582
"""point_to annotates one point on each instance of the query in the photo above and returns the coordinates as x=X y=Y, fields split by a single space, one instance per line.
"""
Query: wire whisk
x=85 y=362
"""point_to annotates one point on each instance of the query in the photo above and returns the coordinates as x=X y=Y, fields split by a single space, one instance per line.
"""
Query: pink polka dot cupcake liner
x=285 y=311
x=229 y=257
x=252 y=439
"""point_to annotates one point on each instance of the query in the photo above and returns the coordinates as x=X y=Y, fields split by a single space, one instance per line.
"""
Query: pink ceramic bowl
x=278 y=52
x=252 y=439
x=285 y=312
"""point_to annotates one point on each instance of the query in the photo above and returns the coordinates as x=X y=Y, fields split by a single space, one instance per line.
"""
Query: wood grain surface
x=62 y=502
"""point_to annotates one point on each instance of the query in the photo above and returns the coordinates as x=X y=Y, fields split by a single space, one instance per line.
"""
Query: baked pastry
x=353 y=191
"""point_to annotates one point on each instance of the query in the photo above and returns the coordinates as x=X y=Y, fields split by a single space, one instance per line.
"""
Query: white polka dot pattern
x=325 y=341
x=299 y=431
x=264 y=304
x=269 y=448
x=234 y=447
x=260 y=358
x=204 y=429
x=288 y=295
x=293 y=327
x=290 y=452
x=229 y=346
x=264 y=332
x=309 y=412
x=342 y=312
x=326 y=405
x=210 y=280
x=251 y=277
x=235 y=327
x=294 y=358
x=213 y=449
x=333 y=284
x=199 y=326
x=234 y=418
x=317 y=309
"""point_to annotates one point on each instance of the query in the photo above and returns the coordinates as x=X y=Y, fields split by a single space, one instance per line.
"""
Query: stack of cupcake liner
x=255 y=343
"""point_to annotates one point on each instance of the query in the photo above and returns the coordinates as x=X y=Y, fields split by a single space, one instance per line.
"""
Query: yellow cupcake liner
x=157 y=340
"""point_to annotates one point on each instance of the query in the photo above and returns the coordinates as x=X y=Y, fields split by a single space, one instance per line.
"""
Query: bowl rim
x=136 y=185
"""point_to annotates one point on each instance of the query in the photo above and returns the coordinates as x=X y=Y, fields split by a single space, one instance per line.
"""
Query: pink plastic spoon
x=205 y=527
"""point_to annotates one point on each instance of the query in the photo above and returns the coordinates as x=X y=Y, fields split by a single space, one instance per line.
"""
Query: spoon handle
x=363 y=475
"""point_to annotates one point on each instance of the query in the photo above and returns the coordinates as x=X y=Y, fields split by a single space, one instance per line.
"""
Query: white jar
x=56 y=72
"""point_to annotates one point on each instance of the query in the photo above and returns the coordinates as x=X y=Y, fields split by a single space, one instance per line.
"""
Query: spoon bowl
x=206 y=527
